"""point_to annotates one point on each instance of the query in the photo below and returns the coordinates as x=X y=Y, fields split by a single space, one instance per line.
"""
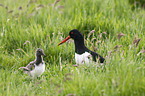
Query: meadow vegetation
x=111 y=28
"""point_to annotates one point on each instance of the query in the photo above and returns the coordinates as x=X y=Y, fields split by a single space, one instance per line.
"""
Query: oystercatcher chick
x=36 y=67
x=82 y=53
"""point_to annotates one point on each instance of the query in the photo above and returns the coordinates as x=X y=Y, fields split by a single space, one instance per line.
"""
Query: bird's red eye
x=71 y=32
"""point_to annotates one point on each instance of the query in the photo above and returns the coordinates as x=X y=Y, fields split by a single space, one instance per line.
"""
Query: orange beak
x=64 y=40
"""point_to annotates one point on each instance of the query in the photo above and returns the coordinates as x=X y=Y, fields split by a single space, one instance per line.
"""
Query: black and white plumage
x=36 y=67
x=82 y=53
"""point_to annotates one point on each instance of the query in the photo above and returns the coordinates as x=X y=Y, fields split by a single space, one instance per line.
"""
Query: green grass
x=45 y=23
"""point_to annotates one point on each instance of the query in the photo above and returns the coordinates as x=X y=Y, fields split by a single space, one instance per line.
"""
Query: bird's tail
x=101 y=59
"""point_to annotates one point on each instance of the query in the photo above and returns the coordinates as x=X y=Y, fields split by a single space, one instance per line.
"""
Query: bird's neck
x=80 y=46
x=39 y=59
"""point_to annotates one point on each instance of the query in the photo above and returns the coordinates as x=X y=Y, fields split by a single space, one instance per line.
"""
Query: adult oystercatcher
x=36 y=67
x=82 y=53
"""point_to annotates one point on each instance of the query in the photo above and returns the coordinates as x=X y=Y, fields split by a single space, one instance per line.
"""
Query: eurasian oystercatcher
x=82 y=53
x=36 y=67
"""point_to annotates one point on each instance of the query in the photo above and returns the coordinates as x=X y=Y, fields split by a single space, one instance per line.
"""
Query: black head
x=75 y=34
x=40 y=52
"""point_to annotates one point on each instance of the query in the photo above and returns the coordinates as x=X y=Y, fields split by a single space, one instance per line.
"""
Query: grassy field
x=26 y=25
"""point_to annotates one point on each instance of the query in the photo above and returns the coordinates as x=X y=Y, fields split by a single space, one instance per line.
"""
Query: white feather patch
x=83 y=58
x=38 y=70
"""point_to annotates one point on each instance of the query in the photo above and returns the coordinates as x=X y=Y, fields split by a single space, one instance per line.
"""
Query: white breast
x=38 y=70
x=83 y=58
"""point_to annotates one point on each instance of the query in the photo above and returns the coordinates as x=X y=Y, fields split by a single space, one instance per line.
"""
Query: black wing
x=24 y=68
x=31 y=65
x=96 y=55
